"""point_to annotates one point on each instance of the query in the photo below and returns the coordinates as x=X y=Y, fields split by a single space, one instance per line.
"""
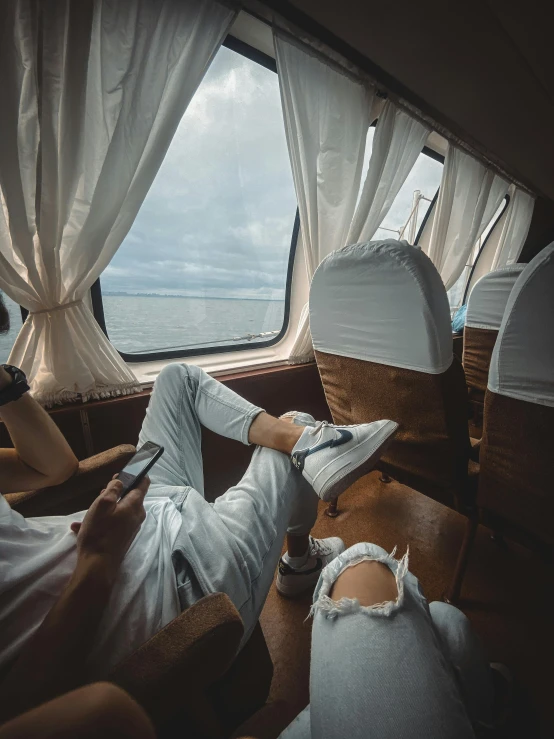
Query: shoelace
x=314 y=430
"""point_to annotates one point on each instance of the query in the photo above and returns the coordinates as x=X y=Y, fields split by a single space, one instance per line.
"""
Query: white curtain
x=515 y=229
x=326 y=116
x=469 y=196
x=92 y=93
x=397 y=143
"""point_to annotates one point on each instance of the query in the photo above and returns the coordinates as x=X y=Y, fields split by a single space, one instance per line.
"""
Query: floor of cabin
x=506 y=594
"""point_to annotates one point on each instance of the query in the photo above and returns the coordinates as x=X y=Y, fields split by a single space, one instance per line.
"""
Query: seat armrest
x=76 y=493
x=169 y=672
x=475 y=449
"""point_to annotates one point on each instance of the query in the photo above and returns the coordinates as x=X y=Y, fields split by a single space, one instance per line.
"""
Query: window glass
x=414 y=197
x=456 y=292
x=7 y=340
x=205 y=262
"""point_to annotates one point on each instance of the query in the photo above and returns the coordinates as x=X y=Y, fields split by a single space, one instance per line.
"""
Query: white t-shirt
x=37 y=557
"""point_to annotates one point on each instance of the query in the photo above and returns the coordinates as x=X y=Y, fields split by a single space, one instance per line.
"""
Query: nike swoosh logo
x=299 y=457
x=345 y=437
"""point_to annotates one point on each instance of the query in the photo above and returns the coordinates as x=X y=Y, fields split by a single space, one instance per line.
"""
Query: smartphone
x=139 y=465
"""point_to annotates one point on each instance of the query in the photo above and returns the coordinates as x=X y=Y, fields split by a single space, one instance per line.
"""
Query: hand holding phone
x=139 y=465
x=109 y=527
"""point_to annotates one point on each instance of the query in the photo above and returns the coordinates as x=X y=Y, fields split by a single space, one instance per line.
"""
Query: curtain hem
x=301 y=360
x=102 y=392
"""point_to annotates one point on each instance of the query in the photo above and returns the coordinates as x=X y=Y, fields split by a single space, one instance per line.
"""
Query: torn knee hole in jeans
x=332 y=609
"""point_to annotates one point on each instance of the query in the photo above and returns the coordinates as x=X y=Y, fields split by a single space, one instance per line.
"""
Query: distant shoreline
x=190 y=297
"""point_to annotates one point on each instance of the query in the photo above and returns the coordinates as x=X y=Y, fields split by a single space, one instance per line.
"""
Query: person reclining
x=79 y=593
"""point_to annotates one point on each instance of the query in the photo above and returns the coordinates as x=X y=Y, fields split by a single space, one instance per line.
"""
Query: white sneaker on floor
x=331 y=458
x=294 y=580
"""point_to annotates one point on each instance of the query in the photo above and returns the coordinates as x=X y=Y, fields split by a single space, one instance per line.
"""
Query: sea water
x=141 y=324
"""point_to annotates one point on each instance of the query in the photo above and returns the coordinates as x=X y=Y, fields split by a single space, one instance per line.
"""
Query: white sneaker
x=331 y=458
x=294 y=580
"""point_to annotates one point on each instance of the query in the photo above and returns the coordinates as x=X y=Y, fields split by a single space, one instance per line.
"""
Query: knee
x=447 y=617
x=113 y=712
x=370 y=582
x=174 y=375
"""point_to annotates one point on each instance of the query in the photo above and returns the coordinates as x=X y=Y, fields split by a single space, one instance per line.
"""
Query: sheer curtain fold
x=397 y=143
x=515 y=229
x=469 y=196
x=326 y=115
x=92 y=95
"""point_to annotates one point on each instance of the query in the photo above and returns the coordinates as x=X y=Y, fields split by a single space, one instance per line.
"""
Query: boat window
x=415 y=197
x=7 y=340
x=207 y=263
x=457 y=293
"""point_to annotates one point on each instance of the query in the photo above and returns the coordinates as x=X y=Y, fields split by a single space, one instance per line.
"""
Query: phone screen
x=138 y=465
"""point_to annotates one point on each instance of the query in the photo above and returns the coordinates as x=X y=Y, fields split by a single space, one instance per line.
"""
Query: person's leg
x=304 y=513
x=234 y=545
x=465 y=651
x=378 y=667
x=329 y=457
x=101 y=709
x=184 y=399
x=298 y=567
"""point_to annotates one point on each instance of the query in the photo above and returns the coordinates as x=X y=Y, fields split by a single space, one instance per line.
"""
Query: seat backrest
x=518 y=431
x=380 y=324
x=485 y=310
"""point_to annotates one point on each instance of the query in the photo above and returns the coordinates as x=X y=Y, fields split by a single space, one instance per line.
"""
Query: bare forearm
x=54 y=660
x=40 y=447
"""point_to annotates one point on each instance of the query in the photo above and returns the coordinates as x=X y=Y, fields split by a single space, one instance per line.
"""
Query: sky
x=218 y=218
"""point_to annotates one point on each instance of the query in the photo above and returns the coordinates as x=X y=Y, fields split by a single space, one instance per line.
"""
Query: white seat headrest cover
x=487 y=300
x=382 y=301
x=522 y=362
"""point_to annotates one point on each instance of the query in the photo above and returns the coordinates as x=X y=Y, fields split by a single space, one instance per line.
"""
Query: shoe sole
x=363 y=468
x=292 y=592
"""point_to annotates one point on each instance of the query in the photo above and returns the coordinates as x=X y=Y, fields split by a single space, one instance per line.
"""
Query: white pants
x=233 y=545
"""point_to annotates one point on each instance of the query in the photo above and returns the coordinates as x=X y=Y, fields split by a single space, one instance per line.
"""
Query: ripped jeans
x=404 y=669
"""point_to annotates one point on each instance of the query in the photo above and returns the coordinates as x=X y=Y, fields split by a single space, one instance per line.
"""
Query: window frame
x=255 y=55
x=482 y=247
x=432 y=154
x=438 y=158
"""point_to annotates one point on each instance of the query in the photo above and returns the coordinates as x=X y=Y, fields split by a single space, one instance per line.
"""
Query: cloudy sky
x=218 y=219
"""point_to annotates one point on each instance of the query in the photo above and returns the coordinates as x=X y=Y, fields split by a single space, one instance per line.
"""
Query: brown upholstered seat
x=485 y=310
x=430 y=452
x=188 y=674
x=515 y=489
x=380 y=324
